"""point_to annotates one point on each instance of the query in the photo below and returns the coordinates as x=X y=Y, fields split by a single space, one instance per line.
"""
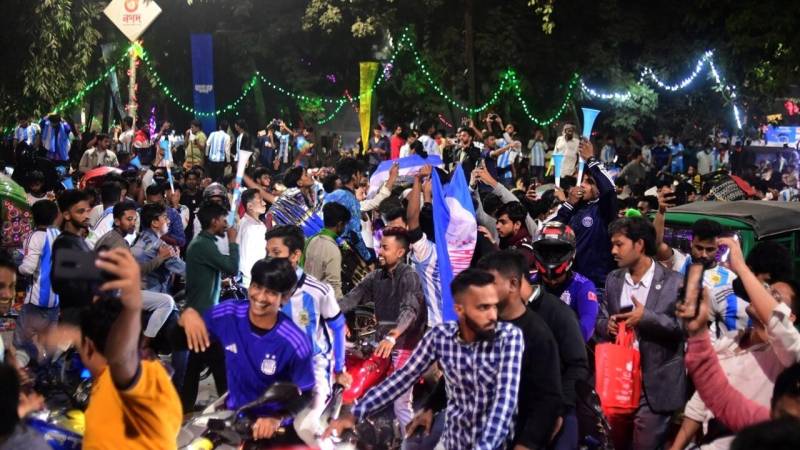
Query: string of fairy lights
x=649 y=76
x=508 y=83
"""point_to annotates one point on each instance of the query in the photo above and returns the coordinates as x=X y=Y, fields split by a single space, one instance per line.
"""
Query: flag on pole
x=456 y=231
x=368 y=71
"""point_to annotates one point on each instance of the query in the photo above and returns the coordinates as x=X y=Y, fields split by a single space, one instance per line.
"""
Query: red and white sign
x=132 y=17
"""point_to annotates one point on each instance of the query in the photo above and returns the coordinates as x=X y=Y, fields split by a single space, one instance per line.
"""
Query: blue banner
x=203 y=77
x=782 y=135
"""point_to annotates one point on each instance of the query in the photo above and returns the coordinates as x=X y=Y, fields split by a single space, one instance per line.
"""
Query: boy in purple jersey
x=554 y=253
x=262 y=345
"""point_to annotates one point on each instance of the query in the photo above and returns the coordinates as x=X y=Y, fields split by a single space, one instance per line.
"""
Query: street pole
x=133 y=101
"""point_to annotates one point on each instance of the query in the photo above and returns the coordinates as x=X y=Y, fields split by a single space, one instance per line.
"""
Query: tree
x=59 y=38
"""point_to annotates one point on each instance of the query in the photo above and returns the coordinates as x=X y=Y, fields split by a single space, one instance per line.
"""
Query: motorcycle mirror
x=278 y=392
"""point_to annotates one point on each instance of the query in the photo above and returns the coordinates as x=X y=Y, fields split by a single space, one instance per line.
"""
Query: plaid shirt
x=482 y=380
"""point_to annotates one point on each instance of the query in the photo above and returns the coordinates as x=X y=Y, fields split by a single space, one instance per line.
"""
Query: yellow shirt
x=194 y=155
x=146 y=416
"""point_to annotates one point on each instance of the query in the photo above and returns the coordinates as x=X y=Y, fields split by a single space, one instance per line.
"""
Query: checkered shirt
x=482 y=380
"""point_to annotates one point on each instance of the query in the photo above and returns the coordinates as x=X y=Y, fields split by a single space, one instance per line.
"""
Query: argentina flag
x=292 y=208
x=409 y=166
x=456 y=231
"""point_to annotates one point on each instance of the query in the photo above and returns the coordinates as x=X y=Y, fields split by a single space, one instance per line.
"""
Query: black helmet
x=554 y=249
x=215 y=190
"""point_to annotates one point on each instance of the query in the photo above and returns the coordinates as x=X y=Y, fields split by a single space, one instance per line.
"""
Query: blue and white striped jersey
x=37 y=262
x=312 y=303
x=26 y=134
x=426 y=263
x=728 y=309
x=218 y=145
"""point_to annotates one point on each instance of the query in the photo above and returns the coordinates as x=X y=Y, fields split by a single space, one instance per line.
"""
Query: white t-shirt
x=95 y=214
x=103 y=226
x=125 y=140
x=33 y=199
x=429 y=144
x=705 y=162
x=252 y=245
x=570 y=151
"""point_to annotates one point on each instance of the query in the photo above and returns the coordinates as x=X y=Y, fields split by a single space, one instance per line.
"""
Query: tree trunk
x=107 y=110
x=89 y=114
x=261 y=109
x=469 y=50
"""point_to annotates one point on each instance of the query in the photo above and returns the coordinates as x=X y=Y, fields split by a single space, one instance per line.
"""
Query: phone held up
x=79 y=267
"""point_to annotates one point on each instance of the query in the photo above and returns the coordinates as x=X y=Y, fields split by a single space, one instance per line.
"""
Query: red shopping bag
x=618 y=374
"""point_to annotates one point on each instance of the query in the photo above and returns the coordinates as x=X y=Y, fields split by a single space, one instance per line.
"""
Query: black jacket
x=571 y=348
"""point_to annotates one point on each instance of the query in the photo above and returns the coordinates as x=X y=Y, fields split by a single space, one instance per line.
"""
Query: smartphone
x=77 y=266
x=625 y=309
x=692 y=291
x=724 y=253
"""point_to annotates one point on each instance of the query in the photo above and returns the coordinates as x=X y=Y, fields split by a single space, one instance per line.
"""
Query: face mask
x=164 y=229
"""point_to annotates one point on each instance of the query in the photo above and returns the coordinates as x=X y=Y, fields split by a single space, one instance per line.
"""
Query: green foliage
x=544 y=8
x=298 y=43
x=628 y=115
x=311 y=110
x=61 y=39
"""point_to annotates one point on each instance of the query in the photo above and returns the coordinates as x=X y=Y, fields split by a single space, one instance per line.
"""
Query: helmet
x=215 y=190
x=554 y=249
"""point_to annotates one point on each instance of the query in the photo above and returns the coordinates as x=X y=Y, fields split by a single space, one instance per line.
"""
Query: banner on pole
x=132 y=17
x=368 y=71
x=203 y=77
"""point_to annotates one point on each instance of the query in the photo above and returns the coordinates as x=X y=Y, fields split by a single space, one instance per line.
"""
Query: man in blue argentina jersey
x=589 y=209
x=313 y=308
x=554 y=251
x=40 y=310
x=728 y=310
x=262 y=345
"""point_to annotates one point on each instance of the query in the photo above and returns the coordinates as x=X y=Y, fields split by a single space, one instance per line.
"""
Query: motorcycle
x=594 y=429
x=231 y=290
x=223 y=429
x=363 y=366
x=66 y=386
x=381 y=431
x=220 y=428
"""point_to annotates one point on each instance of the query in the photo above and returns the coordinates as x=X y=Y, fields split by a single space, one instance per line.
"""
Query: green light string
x=544 y=122
x=333 y=114
x=91 y=85
x=78 y=96
x=507 y=80
x=423 y=68
x=158 y=83
x=336 y=100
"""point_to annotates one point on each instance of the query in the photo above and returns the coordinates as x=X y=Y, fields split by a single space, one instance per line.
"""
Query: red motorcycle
x=364 y=367
x=380 y=431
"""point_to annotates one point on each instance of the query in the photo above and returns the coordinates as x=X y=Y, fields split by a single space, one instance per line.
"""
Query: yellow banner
x=368 y=72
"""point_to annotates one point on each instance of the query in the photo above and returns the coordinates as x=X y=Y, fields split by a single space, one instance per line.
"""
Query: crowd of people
x=251 y=277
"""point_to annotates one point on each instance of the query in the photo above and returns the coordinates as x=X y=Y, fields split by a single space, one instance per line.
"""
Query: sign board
x=782 y=135
x=132 y=17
